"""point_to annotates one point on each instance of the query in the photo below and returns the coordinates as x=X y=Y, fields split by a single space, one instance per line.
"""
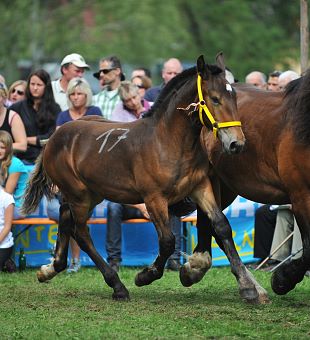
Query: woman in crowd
x=11 y=122
x=38 y=113
x=79 y=96
x=13 y=172
x=143 y=83
x=132 y=105
x=17 y=91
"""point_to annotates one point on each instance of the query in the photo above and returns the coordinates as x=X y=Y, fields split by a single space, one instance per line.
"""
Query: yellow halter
x=203 y=106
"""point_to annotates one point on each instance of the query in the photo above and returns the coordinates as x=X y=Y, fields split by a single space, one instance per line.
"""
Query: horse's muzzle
x=236 y=147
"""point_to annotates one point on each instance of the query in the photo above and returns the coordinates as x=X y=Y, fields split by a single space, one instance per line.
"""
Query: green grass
x=80 y=306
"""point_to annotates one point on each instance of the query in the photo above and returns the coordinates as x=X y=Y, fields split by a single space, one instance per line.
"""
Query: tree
x=252 y=34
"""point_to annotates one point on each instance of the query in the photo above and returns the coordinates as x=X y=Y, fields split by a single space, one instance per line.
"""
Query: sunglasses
x=106 y=70
x=21 y=93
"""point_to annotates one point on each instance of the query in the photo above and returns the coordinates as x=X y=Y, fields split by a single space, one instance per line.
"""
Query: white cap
x=75 y=59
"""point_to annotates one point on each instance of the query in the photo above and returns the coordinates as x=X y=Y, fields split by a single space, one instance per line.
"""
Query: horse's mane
x=297 y=97
x=174 y=85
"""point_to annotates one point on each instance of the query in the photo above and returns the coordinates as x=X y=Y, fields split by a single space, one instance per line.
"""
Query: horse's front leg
x=158 y=211
x=285 y=278
x=249 y=289
x=59 y=263
x=200 y=262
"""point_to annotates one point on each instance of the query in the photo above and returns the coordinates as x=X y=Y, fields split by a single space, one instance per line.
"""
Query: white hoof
x=46 y=272
x=195 y=269
x=198 y=261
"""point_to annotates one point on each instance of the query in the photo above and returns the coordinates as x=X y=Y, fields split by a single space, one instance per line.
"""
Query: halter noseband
x=202 y=106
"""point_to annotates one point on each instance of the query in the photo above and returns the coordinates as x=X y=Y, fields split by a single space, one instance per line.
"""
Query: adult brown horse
x=273 y=168
x=157 y=160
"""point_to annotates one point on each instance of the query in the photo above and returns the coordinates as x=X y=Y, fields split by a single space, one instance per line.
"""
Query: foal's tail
x=39 y=184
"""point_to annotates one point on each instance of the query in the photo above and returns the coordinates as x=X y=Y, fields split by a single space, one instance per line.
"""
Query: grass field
x=80 y=306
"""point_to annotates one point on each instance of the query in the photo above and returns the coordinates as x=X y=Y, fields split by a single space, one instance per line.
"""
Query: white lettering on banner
x=241 y=207
x=107 y=135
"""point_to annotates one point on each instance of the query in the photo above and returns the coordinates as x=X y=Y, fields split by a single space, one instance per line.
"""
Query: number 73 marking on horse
x=106 y=136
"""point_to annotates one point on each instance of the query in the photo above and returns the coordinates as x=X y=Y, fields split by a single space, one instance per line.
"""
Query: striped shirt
x=106 y=101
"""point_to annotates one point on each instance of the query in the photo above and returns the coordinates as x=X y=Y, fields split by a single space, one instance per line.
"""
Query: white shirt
x=60 y=95
x=5 y=200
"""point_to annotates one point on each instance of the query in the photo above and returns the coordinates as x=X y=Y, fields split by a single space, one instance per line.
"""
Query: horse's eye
x=215 y=101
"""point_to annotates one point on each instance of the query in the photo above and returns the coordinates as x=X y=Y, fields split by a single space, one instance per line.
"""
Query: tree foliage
x=258 y=35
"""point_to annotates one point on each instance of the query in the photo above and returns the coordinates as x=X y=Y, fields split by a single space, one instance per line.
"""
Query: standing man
x=171 y=68
x=141 y=71
x=273 y=81
x=287 y=77
x=257 y=79
x=73 y=65
x=110 y=75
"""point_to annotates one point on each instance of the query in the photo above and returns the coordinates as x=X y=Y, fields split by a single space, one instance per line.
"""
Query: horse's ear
x=220 y=61
x=202 y=67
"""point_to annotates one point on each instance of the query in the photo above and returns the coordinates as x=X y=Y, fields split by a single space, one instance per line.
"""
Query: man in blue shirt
x=171 y=68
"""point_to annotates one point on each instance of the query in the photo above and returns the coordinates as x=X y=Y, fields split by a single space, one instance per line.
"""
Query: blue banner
x=241 y=218
x=139 y=241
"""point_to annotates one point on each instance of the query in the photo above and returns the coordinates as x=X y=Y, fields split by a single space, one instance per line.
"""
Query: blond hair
x=3 y=91
x=17 y=83
x=7 y=141
x=127 y=89
x=81 y=84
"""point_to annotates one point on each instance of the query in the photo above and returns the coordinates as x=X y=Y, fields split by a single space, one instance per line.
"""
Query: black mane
x=297 y=97
x=175 y=84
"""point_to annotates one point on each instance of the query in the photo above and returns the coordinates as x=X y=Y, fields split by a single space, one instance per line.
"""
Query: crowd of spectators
x=31 y=110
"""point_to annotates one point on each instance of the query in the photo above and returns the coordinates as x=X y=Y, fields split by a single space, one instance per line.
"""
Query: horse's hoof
x=254 y=296
x=147 y=276
x=194 y=270
x=121 y=295
x=279 y=285
x=41 y=277
x=249 y=295
x=189 y=276
x=46 y=272
x=185 y=277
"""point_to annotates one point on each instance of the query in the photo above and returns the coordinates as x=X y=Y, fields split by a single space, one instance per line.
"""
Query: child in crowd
x=13 y=173
x=6 y=217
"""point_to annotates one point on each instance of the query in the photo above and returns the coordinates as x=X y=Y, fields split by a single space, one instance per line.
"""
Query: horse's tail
x=39 y=185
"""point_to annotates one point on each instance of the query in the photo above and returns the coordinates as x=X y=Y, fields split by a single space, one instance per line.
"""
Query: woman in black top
x=38 y=113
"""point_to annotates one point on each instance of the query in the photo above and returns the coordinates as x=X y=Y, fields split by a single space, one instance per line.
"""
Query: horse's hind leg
x=81 y=234
x=158 y=210
x=285 y=278
x=249 y=288
x=47 y=272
